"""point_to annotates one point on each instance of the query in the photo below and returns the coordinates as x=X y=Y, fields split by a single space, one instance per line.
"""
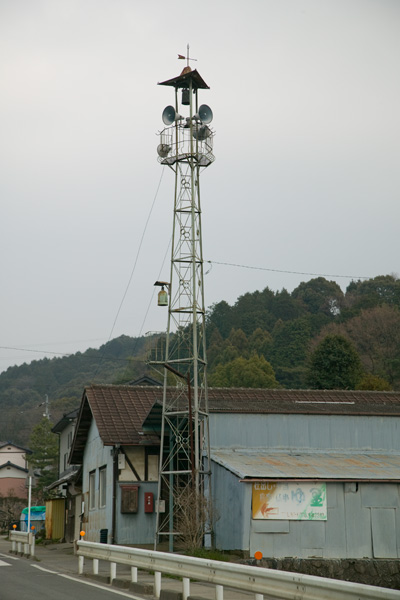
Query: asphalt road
x=21 y=579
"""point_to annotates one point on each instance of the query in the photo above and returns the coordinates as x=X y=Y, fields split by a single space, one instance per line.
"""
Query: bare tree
x=10 y=509
x=194 y=517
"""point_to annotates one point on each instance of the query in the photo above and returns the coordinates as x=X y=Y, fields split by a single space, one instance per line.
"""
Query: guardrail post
x=13 y=546
x=134 y=574
x=81 y=562
x=95 y=566
x=185 y=587
x=157 y=584
x=259 y=597
x=19 y=547
x=113 y=571
x=219 y=592
x=33 y=545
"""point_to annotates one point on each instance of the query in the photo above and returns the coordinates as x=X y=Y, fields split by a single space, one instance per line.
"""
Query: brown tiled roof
x=249 y=400
x=120 y=411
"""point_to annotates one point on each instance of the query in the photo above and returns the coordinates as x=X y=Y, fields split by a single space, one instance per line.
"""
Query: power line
x=150 y=303
x=210 y=262
x=137 y=257
x=226 y=264
x=133 y=268
x=152 y=295
x=103 y=356
x=32 y=350
x=65 y=355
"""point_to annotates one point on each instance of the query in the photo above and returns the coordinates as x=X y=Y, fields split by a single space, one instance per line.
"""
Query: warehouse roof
x=251 y=465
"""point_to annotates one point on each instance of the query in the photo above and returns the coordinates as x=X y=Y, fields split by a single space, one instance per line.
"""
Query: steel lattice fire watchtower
x=186 y=146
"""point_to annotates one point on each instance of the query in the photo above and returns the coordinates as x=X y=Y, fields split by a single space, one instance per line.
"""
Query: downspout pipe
x=114 y=494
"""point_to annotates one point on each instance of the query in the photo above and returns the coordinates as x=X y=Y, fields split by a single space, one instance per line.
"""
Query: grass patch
x=208 y=554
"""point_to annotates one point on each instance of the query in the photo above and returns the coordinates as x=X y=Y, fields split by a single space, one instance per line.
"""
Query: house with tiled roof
x=13 y=470
x=299 y=473
x=119 y=463
x=67 y=487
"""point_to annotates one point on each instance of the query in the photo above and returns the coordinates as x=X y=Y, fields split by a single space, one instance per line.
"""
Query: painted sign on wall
x=294 y=500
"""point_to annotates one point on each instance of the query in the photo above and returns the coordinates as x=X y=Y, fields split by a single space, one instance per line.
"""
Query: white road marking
x=8 y=556
x=4 y=564
x=45 y=570
x=78 y=580
x=109 y=589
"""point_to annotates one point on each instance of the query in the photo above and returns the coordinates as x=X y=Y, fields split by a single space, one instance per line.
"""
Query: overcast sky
x=306 y=97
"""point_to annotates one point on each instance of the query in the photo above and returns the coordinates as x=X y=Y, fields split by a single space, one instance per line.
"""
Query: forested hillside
x=316 y=336
x=288 y=333
x=23 y=389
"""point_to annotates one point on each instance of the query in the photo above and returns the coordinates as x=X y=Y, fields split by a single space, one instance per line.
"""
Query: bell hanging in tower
x=162 y=297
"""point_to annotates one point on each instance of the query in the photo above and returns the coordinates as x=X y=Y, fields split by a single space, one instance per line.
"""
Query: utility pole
x=186 y=145
x=47 y=408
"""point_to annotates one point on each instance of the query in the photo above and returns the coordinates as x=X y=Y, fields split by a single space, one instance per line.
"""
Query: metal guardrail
x=22 y=542
x=260 y=581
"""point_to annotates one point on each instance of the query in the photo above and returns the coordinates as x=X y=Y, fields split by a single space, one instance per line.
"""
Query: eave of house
x=9 y=464
x=15 y=447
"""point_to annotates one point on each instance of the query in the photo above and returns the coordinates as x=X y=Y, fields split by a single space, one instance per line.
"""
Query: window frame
x=92 y=490
x=103 y=486
x=151 y=451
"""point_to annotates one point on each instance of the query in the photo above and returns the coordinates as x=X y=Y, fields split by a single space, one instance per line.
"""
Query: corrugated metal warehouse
x=295 y=473
x=307 y=473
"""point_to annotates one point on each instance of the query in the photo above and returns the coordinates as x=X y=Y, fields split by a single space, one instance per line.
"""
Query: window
x=102 y=486
x=92 y=490
x=152 y=464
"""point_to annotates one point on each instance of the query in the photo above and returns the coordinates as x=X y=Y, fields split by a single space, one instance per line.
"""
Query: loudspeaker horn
x=205 y=114
x=202 y=133
x=163 y=150
x=170 y=115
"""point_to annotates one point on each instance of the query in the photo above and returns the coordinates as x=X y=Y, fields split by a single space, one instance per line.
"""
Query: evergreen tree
x=252 y=310
x=383 y=289
x=290 y=342
x=320 y=296
x=44 y=458
x=220 y=316
x=334 y=365
x=260 y=342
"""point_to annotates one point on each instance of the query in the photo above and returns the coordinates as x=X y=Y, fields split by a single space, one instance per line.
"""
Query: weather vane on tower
x=181 y=57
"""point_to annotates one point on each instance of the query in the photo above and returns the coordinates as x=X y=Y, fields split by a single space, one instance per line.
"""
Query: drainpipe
x=114 y=493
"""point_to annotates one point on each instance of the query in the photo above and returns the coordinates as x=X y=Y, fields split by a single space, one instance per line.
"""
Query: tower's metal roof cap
x=183 y=80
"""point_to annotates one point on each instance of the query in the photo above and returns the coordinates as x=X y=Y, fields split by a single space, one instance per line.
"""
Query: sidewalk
x=60 y=557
